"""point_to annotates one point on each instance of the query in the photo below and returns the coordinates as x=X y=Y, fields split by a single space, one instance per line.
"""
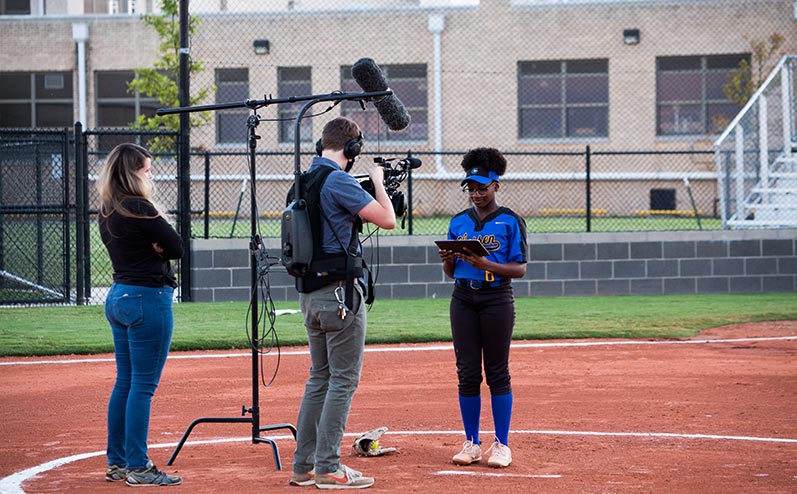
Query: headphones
x=351 y=149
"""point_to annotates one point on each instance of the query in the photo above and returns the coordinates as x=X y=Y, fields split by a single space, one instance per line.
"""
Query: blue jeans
x=336 y=357
x=142 y=321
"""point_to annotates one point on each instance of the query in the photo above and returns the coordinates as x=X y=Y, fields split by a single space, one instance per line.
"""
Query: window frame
x=287 y=112
x=371 y=124
x=704 y=103
x=230 y=112
x=563 y=105
x=136 y=98
x=33 y=100
x=6 y=10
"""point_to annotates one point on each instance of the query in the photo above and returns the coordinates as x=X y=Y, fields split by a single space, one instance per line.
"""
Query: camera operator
x=335 y=331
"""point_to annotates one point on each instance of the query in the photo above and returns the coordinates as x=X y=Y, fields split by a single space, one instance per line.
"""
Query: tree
x=748 y=77
x=160 y=81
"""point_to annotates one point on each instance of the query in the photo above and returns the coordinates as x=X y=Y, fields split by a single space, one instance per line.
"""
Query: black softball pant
x=481 y=325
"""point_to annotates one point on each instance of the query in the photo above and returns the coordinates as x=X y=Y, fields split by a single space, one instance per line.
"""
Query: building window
x=559 y=99
x=117 y=107
x=689 y=96
x=42 y=99
x=408 y=83
x=132 y=7
x=293 y=81
x=95 y=6
x=232 y=85
x=15 y=7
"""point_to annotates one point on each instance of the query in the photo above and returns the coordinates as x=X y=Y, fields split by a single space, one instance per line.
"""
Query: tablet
x=474 y=246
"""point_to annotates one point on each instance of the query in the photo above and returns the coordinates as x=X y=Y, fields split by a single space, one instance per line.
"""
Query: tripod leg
x=279 y=426
x=197 y=422
x=273 y=449
x=272 y=442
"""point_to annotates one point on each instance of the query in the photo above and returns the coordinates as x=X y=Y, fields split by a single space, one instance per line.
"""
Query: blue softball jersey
x=502 y=233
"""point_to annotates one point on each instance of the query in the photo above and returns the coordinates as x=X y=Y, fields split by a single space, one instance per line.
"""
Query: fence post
x=409 y=197
x=86 y=231
x=184 y=156
x=37 y=159
x=207 y=194
x=67 y=232
x=80 y=211
x=589 y=189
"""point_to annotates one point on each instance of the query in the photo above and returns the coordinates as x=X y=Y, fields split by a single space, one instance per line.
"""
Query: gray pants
x=336 y=358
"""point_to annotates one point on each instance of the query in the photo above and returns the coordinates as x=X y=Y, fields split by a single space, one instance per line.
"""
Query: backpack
x=302 y=253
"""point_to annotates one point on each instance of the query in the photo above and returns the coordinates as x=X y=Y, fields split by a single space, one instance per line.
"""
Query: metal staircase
x=756 y=157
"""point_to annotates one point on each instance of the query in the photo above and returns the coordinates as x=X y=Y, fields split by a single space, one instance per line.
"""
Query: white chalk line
x=428 y=348
x=12 y=484
x=484 y=474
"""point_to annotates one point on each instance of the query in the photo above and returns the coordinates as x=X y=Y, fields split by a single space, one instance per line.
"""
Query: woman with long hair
x=141 y=244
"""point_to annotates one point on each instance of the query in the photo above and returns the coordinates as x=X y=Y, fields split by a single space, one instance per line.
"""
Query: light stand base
x=246 y=420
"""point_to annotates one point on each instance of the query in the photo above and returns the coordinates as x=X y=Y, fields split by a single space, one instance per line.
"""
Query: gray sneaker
x=344 y=478
x=151 y=476
x=115 y=473
x=303 y=479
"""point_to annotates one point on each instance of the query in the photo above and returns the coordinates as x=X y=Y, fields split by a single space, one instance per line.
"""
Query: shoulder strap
x=312 y=183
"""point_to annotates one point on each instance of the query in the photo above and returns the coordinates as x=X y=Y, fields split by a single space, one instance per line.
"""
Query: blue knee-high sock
x=470 y=407
x=502 y=415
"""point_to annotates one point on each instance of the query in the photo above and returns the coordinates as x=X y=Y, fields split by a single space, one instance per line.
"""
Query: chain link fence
x=552 y=199
x=36 y=215
x=607 y=110
x=95 y=144
x=627 y=91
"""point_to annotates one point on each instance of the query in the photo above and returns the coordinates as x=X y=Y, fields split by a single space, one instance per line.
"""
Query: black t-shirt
x=129 y=243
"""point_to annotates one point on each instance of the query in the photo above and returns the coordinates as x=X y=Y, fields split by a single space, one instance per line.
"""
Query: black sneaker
x=151 y=476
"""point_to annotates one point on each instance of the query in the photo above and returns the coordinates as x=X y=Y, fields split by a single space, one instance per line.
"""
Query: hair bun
x=488 y=158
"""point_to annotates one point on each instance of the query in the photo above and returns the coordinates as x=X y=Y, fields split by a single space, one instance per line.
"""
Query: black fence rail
x=51 y=252
x=555 y=191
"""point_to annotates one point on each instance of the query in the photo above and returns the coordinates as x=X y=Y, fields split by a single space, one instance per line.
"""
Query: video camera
x=395 y=172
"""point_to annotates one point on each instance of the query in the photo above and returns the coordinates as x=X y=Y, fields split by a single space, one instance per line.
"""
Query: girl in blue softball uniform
x=483 y=303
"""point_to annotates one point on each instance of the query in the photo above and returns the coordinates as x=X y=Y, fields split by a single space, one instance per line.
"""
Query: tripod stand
x=254 y=410
x=254 y=247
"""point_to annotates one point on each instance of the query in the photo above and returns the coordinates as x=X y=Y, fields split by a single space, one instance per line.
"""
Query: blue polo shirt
x=342 y=198
x=502 y=233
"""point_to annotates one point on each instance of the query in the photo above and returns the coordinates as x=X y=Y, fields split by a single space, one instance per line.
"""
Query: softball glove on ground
x=368 y=444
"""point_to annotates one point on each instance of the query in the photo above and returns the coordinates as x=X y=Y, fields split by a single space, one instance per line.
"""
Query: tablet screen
x=458 y=245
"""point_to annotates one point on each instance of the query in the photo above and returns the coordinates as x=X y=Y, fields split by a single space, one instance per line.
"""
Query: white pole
x=763 y=147
x=741 y=213
x=785 y=84
x=437 y=22
x=80 y=33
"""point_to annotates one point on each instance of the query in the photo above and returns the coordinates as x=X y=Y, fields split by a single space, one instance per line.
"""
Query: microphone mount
x=254 y=104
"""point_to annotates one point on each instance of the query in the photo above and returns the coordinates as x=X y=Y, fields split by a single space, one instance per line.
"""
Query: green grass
x=83 y=330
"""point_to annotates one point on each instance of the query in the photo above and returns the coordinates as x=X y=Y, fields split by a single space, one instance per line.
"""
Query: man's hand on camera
x=377 y=175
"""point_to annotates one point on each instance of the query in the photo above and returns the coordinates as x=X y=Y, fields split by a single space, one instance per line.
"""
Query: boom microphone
x=370 y=77
x=412 y=163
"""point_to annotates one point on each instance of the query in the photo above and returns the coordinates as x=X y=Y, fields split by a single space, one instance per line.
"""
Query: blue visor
x=480 y=175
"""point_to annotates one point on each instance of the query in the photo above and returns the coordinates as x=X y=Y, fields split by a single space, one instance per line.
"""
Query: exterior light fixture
x=261 y=47
x=631 y=36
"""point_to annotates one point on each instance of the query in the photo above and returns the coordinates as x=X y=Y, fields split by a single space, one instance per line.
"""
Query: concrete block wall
x=571 y=264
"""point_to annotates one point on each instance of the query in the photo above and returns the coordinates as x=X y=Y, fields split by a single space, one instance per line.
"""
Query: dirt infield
x=685 y=416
